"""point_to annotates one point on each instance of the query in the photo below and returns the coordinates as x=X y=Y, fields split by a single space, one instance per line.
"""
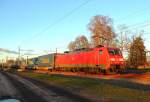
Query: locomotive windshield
x=114 y=51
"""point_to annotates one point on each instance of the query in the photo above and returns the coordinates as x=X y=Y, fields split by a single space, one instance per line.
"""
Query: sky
x=44 y=25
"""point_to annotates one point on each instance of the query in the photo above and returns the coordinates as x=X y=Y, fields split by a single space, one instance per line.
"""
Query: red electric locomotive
x=99 y=59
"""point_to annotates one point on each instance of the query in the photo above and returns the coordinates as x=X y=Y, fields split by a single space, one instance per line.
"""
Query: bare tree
x=81 y=42
x=101 y=30
x=124 y=39
x=71 y=46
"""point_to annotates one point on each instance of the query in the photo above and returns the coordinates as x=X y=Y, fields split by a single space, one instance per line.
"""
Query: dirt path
x=43 y=91
x=7 y=89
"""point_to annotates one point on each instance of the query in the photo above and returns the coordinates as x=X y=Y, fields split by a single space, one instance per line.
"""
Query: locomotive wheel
x=111 y=70
x=103 y=71
x=73 y=70
x=122 y=71
x=96 y=70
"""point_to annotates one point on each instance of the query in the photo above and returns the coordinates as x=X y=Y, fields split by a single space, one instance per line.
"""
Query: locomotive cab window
x=111 y=52
x=118 y=52
x=100 y=52
x=114 y=52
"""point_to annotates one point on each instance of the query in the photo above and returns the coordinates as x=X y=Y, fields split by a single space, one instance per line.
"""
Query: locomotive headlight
x=121 y=59
x=112 y=59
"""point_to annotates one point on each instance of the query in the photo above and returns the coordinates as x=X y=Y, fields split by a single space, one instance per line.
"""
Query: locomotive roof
x=79 y=50
x=47 y=55
x=76 y=51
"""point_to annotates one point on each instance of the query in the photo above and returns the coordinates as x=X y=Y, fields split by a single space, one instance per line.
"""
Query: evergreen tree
x=137 y=52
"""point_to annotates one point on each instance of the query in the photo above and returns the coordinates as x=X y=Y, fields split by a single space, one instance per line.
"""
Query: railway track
x=137 y=76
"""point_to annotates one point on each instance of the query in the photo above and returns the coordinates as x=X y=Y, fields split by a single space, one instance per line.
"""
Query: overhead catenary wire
x=139 y=24
x=61 y=19
x=136 y=27
x=146 y=25
x=55 y=22
x=132 y=14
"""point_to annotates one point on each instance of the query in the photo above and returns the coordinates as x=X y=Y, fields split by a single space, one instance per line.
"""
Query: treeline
x=103 y=33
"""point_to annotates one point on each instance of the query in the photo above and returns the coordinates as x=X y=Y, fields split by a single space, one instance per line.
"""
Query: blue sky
x=20 y=20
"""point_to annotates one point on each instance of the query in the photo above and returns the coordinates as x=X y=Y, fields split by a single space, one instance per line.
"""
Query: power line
x=138 y=27
x=146 y=33
x=138 y=24
x=133 y=14
x=57 y=21
x=142 y=26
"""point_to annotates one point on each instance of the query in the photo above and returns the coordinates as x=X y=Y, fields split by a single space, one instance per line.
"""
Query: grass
x=93 y=88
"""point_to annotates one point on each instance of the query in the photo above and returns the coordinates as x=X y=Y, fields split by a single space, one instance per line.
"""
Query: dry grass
x=93 y=88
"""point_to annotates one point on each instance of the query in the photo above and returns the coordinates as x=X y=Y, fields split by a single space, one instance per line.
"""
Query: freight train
x=100 y=59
